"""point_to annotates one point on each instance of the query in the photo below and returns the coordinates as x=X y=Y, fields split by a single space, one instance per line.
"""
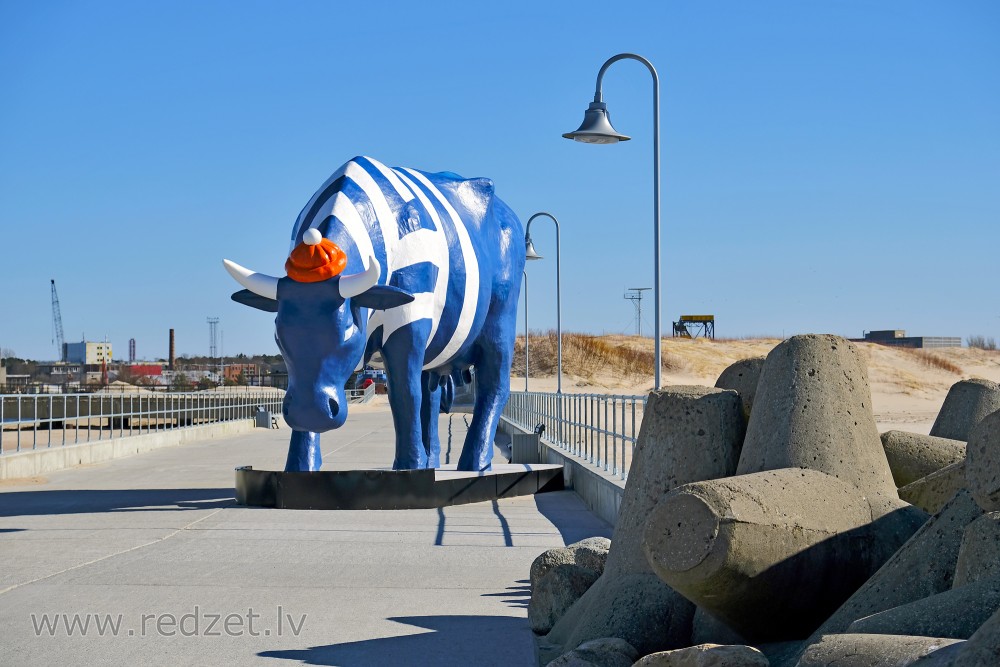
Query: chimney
x=172 y=357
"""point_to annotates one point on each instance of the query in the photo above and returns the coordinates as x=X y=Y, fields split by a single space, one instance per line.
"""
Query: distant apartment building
x=87 y=353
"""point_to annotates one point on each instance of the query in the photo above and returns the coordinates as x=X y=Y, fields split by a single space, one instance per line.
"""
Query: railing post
x=614 y=435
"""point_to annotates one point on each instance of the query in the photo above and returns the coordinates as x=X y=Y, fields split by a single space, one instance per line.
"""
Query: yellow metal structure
x=692 y=326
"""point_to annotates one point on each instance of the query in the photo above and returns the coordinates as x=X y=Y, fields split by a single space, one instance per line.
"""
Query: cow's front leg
x=430 y=408
x=304 y=454
x=404 y=356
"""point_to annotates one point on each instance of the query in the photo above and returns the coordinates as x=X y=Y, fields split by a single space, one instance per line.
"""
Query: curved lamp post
x=529 y=252
x=597 y=129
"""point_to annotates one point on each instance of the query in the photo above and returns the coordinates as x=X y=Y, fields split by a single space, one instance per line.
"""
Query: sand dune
x=908 y=386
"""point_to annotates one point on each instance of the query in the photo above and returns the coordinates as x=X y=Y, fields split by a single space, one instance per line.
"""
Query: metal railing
x=253 y=384
x=599 y=428
x=36 y=421
x=360 y=395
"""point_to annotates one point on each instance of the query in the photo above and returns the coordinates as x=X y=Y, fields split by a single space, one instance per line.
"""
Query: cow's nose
x=334 y=407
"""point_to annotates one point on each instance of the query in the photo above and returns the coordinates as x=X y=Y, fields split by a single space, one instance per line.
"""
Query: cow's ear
x=381 y=297
x=248 y=298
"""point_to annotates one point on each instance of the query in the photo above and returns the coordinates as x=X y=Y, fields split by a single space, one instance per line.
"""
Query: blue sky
x=827 y=166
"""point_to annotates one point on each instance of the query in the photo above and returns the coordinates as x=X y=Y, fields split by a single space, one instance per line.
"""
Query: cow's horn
x=358 y=283
x=258 y=283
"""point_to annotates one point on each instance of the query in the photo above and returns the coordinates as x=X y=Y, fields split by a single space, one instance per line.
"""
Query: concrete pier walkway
x=147 y=560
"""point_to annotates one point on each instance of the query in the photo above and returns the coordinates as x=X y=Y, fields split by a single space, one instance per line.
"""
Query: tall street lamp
x=530 y=253
x=597 y=129
x=525 y=274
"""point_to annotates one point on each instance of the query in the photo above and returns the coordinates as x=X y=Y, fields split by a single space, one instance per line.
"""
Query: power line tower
x=57 y=327
x=634 y=294
x=213 y=337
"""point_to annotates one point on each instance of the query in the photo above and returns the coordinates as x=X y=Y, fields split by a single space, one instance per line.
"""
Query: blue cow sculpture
x=417 y=272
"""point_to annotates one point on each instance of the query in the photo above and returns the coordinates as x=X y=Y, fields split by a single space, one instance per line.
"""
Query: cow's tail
x=447 y=394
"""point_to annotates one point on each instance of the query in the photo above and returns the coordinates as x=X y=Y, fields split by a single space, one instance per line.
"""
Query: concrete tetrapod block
x=955 y=613
x=983 y=647
x=923 y=567
x=966 y=404
x=687 y=434
x=603 y=652
x=742 y=377
x=590 y=553
x=556 y=592
x=932 y=492
x=706 y=655
x=813 y=410
x=771 y=554
x=982 y=472
x=912 y=456
x=978 y=557
x=707 y=629
x=871 y=650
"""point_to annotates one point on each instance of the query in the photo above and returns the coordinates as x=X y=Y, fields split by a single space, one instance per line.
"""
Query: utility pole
x=213 y=341
x=634 y=294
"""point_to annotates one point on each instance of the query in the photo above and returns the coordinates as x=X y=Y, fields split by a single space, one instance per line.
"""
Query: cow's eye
x=349 y=332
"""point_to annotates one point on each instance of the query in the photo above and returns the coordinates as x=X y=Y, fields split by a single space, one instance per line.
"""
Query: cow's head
x=319 y=326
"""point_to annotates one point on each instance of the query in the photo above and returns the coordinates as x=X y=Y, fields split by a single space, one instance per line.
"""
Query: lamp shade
x=529 y=249
x=596 y=127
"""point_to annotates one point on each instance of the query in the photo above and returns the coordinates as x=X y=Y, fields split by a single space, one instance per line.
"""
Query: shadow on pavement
x=454 y=640
x=518 y=596
x=85 y=501
x=566 y=511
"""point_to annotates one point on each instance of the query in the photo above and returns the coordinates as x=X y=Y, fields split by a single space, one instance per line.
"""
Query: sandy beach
x=908 y=386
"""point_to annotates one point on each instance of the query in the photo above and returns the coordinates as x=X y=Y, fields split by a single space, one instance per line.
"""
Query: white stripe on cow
x=471 y=297
x=422 y=245
x=312 y=201
x=344 y=210
x=383 y=214
x=443 y=277
x=390 y=175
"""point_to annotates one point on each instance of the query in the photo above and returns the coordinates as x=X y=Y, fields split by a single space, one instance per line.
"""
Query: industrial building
x=250 y=373
x=898 y=338
x=87 y=353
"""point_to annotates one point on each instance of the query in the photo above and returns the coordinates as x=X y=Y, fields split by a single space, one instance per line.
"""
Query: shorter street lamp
x=530 y=254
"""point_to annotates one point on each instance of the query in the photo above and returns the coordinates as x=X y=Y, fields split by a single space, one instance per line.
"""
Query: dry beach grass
x=908 y=386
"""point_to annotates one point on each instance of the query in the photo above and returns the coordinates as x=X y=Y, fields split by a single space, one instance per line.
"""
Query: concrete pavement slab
x=157 y=537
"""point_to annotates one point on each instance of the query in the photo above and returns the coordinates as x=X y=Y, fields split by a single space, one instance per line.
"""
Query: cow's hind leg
x=430 y=408
x=495 y=354
x=304 y=454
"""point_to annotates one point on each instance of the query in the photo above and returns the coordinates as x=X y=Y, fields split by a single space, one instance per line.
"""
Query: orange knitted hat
x=315 y=259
